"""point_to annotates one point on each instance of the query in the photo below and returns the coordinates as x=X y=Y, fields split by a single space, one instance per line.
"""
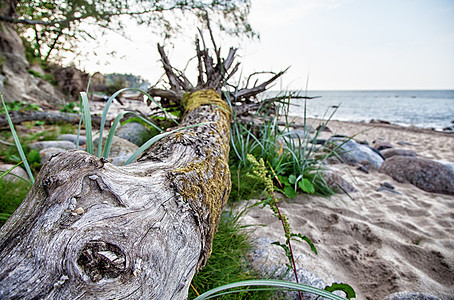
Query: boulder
x=72 y=138
x=16 y=83
x=52 y=144
x=120 y=150
x=16 y=172
x=134 y=132
x=47 y=153
x=71 y=80
x=352 y=153
x=428 y=175
x=387 y=153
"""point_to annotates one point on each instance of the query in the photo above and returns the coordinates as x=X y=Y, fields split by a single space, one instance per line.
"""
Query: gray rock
x=72 y=138
x=387 y=153
x=410 y=296
x=338 y=184
x=298 y=133
x=269 y=260
x=381 y=145
x=134 y=132
x=120 y=150
x=352 y=153
x=52 y=144
x=47 y=153
x=16 y=172
x=428 y=175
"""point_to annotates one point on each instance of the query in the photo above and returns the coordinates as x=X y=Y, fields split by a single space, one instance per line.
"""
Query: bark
x=88 y=229
x=50 y=117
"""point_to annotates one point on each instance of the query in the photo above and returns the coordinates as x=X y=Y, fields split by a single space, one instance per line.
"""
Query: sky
x=328 y=45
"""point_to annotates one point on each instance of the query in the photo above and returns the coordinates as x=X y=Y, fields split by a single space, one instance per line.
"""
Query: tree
x=57 y=25
x=88 y=229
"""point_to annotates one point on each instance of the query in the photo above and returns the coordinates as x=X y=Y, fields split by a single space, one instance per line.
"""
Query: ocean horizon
x=418 y=108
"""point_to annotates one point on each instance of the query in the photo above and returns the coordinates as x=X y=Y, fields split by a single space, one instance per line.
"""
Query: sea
x=418 y=108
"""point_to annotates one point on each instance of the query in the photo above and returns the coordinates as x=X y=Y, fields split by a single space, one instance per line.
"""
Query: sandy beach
x=379 y=242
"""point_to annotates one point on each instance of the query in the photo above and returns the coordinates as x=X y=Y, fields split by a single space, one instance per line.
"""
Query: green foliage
x=11 y=196
x=57 y=26
x=48 y=77
x=18 y=106
x=243 y=186
x=70 y=107
x=228 y=261
x=286 y=157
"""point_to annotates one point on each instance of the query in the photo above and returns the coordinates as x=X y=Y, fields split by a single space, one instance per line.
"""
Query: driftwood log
x=88 y=229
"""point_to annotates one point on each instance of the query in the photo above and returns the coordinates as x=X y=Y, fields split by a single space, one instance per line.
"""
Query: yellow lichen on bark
x=201 y=97
x=205 y=182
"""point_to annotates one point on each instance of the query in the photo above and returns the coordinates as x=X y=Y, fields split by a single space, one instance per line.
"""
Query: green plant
x=70 y=107
x=260 y=173
x=228 y=261
x=17 y=142
x=11 y=195
x=17 y=105
x=274 y=285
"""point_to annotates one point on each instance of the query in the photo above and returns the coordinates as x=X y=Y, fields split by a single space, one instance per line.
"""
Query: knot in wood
x=102 y=260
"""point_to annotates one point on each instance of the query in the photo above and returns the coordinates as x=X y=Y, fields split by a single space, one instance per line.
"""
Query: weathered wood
x=50 y=117
x=88 y=229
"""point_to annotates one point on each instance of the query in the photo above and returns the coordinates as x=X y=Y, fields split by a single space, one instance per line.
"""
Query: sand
x=379 y=242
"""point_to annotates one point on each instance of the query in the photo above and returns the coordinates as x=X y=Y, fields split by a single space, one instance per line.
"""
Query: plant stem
x=289 y=246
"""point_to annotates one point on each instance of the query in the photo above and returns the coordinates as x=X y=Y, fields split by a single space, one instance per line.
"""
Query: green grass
x=11 y=196
x=228 y=262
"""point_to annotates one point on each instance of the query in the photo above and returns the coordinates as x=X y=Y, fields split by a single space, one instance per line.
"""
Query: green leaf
x=17 y=142
x=292 y=179
x=305 y=239
x=306 y=186
x=157 y=138
x=348 y=290
x=290 y=192
x=283 y=180
x=270 y=283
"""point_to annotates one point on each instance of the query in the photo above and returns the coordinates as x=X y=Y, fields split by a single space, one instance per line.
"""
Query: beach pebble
x=12 y=176
x=410 y=296
x=352 y=153
x=47 y=153
x=428 y=175
x=380 y=145
x=72 y=138
x=387 y=153
x=67 y=145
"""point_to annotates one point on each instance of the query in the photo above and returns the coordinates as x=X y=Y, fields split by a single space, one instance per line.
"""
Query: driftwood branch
x=50 y=117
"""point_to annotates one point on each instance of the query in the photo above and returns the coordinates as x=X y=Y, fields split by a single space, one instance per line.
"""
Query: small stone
x=79 y=211
x=93 y=177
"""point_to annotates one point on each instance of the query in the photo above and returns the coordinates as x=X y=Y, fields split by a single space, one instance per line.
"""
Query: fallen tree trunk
x=88 y=229
x=50 y=117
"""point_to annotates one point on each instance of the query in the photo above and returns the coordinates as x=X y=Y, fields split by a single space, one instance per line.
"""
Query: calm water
x=426 y=109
